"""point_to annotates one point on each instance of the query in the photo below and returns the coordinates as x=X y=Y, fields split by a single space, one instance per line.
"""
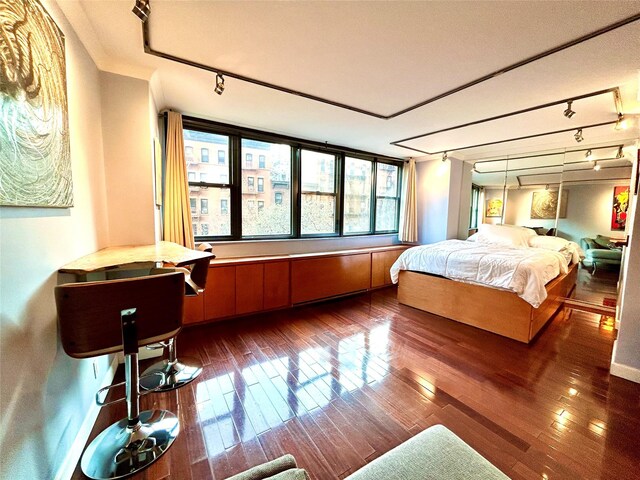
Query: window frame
x=398 y=197
x=234 y=185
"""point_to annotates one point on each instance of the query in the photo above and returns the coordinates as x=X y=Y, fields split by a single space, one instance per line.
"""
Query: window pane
x=318 y=172
x=197 y=148
x=357 y=196
x=386 y=214
x=266 y=200
x=210 y=221
x=318 y=208
x=387 y=197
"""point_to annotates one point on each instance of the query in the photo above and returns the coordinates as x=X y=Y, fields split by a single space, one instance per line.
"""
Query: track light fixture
x=568 y=111
x=621 y=124
x=596 y=166
x=620 y=153
x=588 y=155
x=445 y=156
x=219 y=84
x=578 y=136
x=474 y=169
x=142 y=10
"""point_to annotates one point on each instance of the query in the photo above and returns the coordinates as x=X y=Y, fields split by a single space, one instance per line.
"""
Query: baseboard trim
x=625 y=371
x=75 y=452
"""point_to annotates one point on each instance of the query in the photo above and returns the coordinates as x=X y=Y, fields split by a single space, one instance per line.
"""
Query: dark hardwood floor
x=338 y=384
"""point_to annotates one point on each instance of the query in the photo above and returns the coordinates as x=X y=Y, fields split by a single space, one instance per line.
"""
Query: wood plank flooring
x=340 y=383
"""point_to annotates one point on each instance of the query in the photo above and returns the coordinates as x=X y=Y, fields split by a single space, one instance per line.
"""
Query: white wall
x=128 y=159
x=432 y=181
x=45 y=394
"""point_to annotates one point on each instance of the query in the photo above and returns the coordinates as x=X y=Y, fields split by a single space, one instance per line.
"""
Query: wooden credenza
x=241 y=286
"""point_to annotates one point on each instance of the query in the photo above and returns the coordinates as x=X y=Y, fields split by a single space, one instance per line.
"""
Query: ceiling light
x=219 y=84
x=474 y=169
x=546 y=187
x=621 y=124
x=569 y=112
x=578 y=136
x=588 y=155
x=445 y=156
x=142 y=10
x=620 y=153
x=596 y=166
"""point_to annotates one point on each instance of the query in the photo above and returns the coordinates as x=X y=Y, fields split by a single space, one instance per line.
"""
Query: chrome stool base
x=176 y=374
x=121 y=450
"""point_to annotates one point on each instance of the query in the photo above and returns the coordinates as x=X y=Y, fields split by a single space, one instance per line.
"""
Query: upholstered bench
x=436 y=453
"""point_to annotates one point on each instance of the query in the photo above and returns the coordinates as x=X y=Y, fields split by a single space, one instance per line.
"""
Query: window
x=271 y=218
x=318 y=202
x=207 y=183
x=357 y=196
x=387 y=197
x=475 y=206
x=304 y=189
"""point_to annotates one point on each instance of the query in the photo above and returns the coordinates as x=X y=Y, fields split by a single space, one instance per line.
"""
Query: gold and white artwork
x=35 y=163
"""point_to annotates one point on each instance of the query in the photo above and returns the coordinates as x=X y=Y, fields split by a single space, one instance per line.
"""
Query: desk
x=134 y=257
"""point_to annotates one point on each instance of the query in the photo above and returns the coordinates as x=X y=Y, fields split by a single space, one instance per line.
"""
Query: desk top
x=115 y=257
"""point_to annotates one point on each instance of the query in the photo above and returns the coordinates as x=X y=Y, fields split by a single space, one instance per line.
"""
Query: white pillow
x=548 y=243
x=507 y=235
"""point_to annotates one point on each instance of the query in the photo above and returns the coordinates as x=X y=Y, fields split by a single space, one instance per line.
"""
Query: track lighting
x=445 y=156
x=219 y=84
x=568 y=111
x=578 y=136
x=546 y=187
x=620 y=153
x=621 y=124
x=596 y=166
x=588 y=155
x=142 y=10
x=474 y=169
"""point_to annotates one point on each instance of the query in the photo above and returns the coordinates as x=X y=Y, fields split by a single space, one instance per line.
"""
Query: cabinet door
x=249 y=288
x=193 y=309
x=220 y=294
x=380 y=264
x=276 y=285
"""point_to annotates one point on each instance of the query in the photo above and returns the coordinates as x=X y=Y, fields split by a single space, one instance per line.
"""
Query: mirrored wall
x=580 y=194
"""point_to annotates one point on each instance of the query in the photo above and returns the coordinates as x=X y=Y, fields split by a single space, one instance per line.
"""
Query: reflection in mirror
x=488 y=194
x=595 y=184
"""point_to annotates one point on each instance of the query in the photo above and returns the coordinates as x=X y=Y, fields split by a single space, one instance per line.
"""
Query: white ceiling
x=383 y=57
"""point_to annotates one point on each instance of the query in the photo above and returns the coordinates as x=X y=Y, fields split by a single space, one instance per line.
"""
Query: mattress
x=523 y=270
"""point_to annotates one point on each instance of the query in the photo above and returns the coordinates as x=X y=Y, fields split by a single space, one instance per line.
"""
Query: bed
x=497 y=281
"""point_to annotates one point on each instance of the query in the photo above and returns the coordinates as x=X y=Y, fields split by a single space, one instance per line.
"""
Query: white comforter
x=524 y=271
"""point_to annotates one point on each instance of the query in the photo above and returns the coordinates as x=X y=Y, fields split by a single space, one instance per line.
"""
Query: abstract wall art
x=35 y=162
x=494 y=207
x=620 y=206
x=544 y=204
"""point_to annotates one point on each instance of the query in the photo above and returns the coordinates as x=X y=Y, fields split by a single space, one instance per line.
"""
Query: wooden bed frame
x=490 y=309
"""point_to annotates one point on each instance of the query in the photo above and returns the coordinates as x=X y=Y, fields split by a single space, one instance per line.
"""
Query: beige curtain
x=408 y=229
x=177 y=213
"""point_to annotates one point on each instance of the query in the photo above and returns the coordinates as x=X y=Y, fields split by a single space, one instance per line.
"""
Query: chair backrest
x=89 y=314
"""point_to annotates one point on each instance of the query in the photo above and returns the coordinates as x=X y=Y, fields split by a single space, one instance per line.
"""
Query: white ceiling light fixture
x=621 y=124
x=445 y=156
x=588 y=155
x=578 y=135
x=568 y=111
x=219 y=84
x=596 y=166
x=620 y=153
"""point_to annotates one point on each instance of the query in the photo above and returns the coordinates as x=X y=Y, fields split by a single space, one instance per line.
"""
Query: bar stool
x=177 y=372
x=99 y=318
